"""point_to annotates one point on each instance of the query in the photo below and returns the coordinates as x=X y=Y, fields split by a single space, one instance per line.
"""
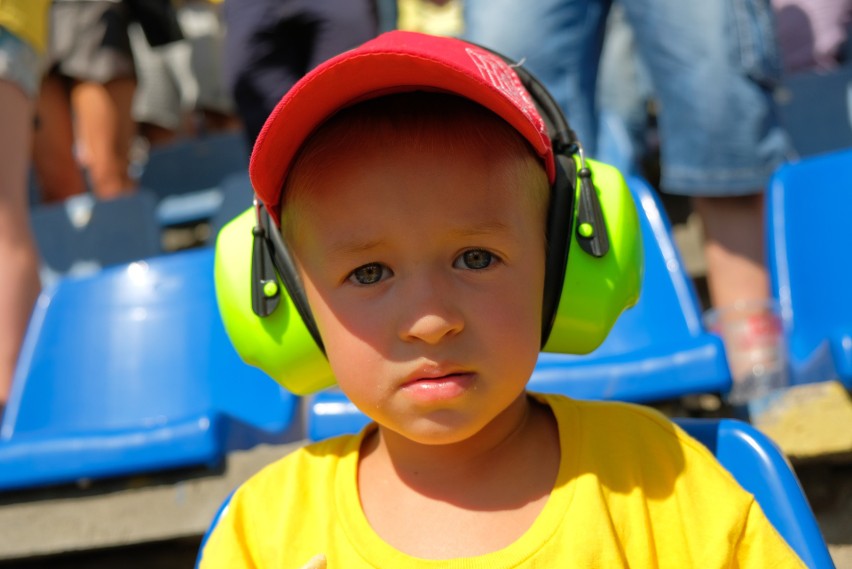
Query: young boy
x=416 y=218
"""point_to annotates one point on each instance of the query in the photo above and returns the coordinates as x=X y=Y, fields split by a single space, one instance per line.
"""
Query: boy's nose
x=430 y=316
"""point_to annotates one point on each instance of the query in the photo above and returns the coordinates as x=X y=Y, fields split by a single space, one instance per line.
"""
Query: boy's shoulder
x=640 y=468
x=612 y=416
x=620 y=437
x=604 y=419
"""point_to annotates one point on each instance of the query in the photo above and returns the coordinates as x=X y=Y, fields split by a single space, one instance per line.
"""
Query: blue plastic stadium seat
x=186 y=175
x=810 y=260
x=330 y=413
x=758 y=465
x=129 y=370
x=82 y=234
x=657 y=350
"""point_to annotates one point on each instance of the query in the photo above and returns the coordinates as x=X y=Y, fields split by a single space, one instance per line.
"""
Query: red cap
x=394 y=62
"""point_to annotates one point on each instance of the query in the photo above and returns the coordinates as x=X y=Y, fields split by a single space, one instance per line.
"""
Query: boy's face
x=424 y=271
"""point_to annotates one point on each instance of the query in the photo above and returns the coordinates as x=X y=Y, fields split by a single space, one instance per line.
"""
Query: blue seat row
x=188 y=176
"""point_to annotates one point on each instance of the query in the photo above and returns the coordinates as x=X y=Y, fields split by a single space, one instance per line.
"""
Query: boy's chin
x=444 y=428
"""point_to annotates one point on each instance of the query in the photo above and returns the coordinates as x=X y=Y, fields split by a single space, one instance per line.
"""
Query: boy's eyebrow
x=361 y=246
x=483 y=228
x=351 y=247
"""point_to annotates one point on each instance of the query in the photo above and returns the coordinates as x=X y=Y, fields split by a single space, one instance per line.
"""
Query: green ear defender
x=279 y=343
x=593 y=268
x=597 y=287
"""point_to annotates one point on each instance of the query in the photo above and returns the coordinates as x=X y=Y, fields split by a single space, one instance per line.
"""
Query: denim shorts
x=19 y=62
x=713 y=66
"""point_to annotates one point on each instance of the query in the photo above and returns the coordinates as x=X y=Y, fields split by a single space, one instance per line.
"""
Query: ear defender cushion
x=596 y=290
x=279 y=344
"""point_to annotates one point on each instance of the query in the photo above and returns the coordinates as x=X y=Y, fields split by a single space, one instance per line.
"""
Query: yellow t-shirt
x=27 y=19
x=633 y=490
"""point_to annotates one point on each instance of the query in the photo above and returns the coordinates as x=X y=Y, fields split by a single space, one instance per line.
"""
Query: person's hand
x=316 y=562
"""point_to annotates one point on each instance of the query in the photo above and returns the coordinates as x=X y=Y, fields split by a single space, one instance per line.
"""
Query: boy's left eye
x=369 y=274
x=475 y=259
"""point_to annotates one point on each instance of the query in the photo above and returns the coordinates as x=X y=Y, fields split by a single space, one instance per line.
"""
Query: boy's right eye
x=370 y=273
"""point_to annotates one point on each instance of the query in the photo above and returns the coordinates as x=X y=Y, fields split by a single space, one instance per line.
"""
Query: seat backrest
x=131 y=368
x=810 y=255
x=760 y=467
x=193 y=165
x=84 y=234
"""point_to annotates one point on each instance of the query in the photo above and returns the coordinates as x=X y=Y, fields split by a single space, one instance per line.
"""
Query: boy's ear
x=603 y=270
x=279 y=343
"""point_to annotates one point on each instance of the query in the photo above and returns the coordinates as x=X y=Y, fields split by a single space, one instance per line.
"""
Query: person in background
x=270 y=44
x=624 y=99
x=181 y=87
x=23 y=32
x=85 y=126
x=84 y=106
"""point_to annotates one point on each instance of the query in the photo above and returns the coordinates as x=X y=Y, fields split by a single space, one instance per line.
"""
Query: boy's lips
x=438 y=383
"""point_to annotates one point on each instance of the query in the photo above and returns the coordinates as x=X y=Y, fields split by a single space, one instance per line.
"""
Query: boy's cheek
x=344 y=324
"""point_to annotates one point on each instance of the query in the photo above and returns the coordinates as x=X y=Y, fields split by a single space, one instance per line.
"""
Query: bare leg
x=19 y=280
x=106 y=128
x=734 y=248
x=55 y=165
x=738 y=281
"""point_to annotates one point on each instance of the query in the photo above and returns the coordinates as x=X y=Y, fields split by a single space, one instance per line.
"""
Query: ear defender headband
x=594 y=256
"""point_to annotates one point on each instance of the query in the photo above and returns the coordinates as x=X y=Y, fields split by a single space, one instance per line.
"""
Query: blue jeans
x=712 y=66
x=624 y=91
x=19 y=63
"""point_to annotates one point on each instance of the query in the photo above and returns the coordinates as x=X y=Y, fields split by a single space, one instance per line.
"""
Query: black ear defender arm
x=271 y=258
x=590 y=227
x=265 y=292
